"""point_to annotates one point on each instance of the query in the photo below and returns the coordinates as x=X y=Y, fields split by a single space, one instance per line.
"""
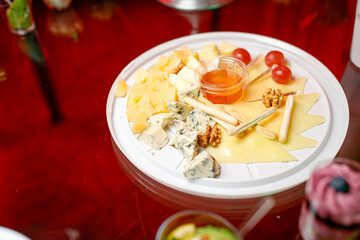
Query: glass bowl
x=199 y=217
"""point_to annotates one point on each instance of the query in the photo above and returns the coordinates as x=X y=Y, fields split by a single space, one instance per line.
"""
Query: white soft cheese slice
x=180 y=110
x=192 y=92
x=162 y=119
x=199 y=120
x=185 y=139
x=154 y=136
x=203 y=166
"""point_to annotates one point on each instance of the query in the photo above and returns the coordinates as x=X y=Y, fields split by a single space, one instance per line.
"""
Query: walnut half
x=212 y=136
x=272 y=98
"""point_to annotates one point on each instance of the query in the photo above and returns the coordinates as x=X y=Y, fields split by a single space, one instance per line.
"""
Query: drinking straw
x=266 y=205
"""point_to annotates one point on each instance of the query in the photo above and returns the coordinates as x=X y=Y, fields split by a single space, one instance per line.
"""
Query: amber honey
x=221 y=86
x=222 y=80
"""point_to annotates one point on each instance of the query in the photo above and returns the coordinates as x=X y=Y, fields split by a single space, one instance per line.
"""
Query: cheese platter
x=241 y=167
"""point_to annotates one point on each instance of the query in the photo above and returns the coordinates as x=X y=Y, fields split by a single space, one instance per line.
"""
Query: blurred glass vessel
x=197 y=5
x=199 y=218
x=198 y=12
x=351 y=85
x=331 y=209
x=18 y=15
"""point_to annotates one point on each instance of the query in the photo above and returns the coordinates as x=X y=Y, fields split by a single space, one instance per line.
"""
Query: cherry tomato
x=242 y=55
x=274 y=57
x=281 y=74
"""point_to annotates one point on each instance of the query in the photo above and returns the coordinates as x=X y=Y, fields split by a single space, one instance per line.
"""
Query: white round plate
x=9 y=234
x=238 y=181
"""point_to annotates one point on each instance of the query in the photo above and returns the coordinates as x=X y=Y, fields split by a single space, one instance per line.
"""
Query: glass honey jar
x=222 y=79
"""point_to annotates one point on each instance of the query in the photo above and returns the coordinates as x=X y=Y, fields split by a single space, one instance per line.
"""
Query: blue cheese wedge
x=180 y=110
x=162 y=119
x=192 y=92
x=199 y=120
x=185 y=139
x=154 y=136
x=203 y=166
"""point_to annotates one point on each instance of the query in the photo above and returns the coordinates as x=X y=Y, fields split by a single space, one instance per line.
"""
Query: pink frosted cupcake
x=332 y=207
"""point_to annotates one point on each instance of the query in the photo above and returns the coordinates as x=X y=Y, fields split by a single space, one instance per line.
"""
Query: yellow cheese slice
x=121 y=89
x=300 y=120
x=251 y=148
x=304 y=102
x=295 y=141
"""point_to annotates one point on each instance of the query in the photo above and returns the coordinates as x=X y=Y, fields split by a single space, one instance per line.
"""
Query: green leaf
x=18 y=15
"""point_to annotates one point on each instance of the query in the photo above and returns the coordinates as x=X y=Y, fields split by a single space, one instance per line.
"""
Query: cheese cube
x=131 y=104
x=169 y=69
x=186 y=50
x=176 y=55
x=155 y=76
x=188 y=75
x=203 y=166
x=192 y=61
x=139 y=85
x=226 y=49
x=192 y=92
x=185 y=139
x=162 y=62
x=168 y=94
x=140 y=75
x=138 y=93
x=209 y=51
x=162 y=119
x=132 y=113
x=160 y=85
x=145 y=107
x=154 y=136
x=122 y=89
x=155 y=98
x=178 y=83
x=139 y=125
x=199 y=120
x=161 y=108
x=180 y=110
